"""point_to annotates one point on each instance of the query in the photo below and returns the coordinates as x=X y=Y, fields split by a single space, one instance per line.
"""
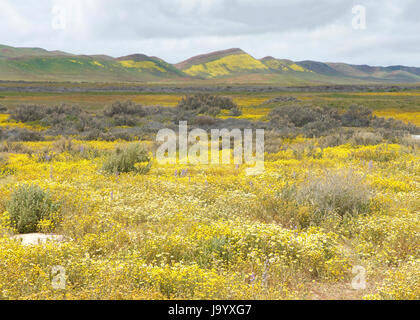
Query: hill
x=40 y=64
x=11 y=52
x=235 y=65
x=363 y=72
x=226 y=67
x=224 y=63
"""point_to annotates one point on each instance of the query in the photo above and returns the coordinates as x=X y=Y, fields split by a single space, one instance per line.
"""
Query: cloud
x=177 y=29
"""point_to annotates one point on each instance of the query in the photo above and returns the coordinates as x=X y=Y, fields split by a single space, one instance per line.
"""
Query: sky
x=374 y=32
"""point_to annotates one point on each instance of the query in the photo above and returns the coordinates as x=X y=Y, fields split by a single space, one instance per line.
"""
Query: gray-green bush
x=339 y=192
x=203 y=103
x=29 y=204
x=130 y=159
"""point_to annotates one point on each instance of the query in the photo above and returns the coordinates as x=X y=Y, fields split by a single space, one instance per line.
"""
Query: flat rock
x=37 y=238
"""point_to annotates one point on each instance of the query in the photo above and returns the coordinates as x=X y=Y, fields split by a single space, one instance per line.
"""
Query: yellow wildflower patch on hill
x=296 y=67
x=76 y=61
x=142 y=65
x=97 y=63
x=276 y=64
x=226 y=66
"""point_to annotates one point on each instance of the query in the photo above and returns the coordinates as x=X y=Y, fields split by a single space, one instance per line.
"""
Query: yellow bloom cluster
x=212 y=232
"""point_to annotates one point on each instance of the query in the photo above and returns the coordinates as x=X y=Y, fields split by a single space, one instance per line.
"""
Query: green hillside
x=283 y=65
x=39 y=64
x=222 y=64
x=11 y=52
x=363 y=72
x=154 y=65
x=227 y=66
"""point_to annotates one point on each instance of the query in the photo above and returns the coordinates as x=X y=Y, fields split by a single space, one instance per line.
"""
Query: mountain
x=226 y=66
x=363 y=72
x=283 y=65
x=143 y=63
x=238 y=66
x=11 y=52
x=224 y=63
x=39 y=64
x=318 y=67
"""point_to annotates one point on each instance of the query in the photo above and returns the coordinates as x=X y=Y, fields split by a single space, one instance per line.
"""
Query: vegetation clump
x=130 y=159
x=129 y=121
x=20 y=134
x=340 y=192
x=357 y=116
x=314 y=121
x=208 y=104
x=29 y=206
x=124 y=108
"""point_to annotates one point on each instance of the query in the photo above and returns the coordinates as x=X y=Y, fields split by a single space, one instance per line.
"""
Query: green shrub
x=29 y=205
x=131 y=159
x=235 y=112
x=124 y=108
x=204 y=103
x=357 y=116
x=47 y=115
x=337 y=192
x=366 y=138
x=124 y=120
x=204 y=120
x=20 y=134
x=27 y=113
x=307 y=120
x=4 y=169
x=64 y=144
x=300 y=116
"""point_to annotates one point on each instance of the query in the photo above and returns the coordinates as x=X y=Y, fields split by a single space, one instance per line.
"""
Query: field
x=330 y=210
x=399 y=105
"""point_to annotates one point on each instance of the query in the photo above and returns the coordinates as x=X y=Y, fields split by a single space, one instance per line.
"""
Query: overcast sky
x=322 y=30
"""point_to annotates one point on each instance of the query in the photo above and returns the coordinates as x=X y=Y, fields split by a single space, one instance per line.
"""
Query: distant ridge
x=224 y=66
x=42 y=65
x=12 y=52
x=135 y=57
